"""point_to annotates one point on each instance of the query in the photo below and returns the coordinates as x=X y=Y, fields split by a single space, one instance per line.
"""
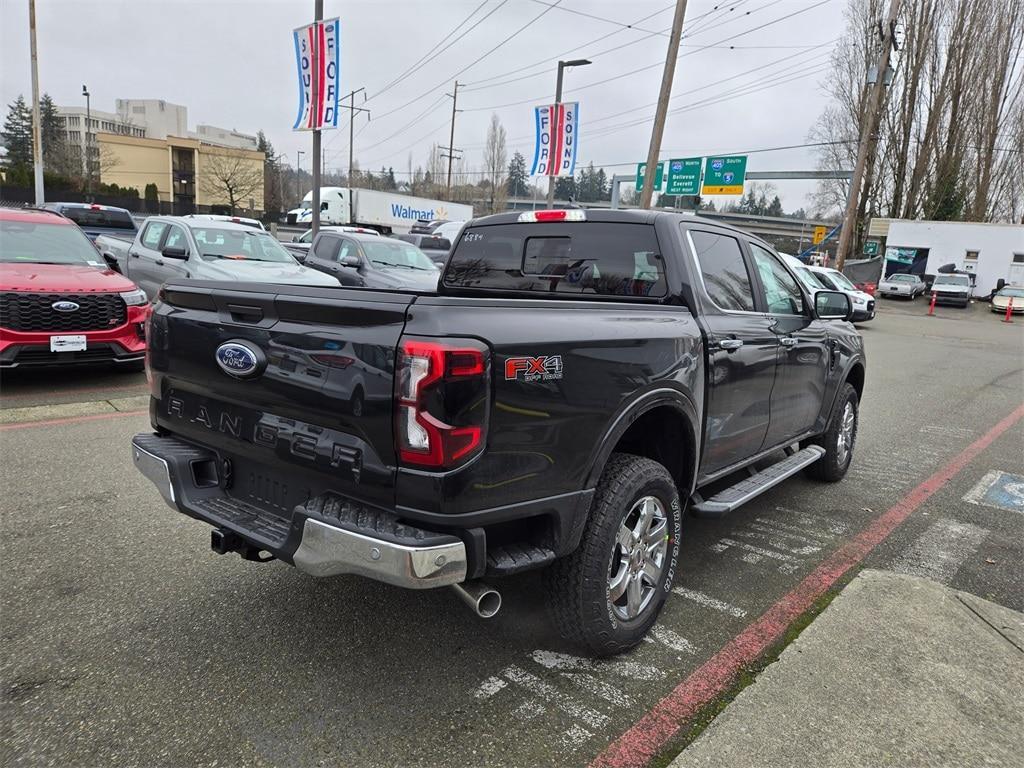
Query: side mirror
x=296 y=238
x=111 y=262
x=832 y=305
x=350 y=261
x=175 y=252
x=300 y=257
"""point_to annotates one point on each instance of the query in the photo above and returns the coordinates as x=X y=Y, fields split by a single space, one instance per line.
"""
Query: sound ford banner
x=557 y=139
x=318 y=58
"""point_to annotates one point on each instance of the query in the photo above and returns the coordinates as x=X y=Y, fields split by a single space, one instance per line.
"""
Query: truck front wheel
x=838 y=439
x=609 y=592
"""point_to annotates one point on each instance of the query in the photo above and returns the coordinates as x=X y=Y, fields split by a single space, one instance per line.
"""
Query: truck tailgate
x=314 y=413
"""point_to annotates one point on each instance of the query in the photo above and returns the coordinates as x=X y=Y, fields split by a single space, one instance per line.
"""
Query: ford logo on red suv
x=65 y=306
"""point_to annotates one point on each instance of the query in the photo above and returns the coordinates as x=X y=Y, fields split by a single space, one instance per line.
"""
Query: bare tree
x=950 y=125
x=231 y=176
x=496 y=164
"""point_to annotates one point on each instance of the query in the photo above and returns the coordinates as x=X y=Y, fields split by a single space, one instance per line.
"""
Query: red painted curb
x=650 y=733
x=68 y=420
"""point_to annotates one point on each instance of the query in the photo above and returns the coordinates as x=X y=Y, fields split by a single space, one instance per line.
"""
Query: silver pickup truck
x=175 y=247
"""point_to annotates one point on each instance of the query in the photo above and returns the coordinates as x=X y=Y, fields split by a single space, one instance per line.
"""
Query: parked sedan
x=833 y=279
x=1005 y=295
x=902 y=285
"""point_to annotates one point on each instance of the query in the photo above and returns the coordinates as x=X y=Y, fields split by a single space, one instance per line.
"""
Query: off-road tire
x=577 y=585
x=831 y=468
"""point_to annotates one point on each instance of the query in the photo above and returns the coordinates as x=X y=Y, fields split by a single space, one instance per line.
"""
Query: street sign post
x=819 y=235
x=658 y=176
x=683 y=176
x=724 y=175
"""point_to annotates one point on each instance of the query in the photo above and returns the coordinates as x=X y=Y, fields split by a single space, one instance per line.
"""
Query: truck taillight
x=442 y=400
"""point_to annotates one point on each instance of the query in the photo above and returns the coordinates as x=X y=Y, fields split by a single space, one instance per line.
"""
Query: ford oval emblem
x=240 y=360
x=65 y=306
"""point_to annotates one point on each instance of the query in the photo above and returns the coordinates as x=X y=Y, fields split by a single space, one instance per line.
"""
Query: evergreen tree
x=273 y=195
x=55 y=149
x=518 y=179
x=17 y=134
x=565 y=188
x=775 y=207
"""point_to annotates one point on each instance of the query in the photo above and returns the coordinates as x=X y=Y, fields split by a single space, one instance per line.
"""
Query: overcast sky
x=232 y=64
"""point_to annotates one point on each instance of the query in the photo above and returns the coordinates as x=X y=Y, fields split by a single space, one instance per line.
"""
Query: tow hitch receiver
x=223 y=541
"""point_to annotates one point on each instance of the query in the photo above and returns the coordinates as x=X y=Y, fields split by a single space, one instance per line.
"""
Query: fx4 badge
x=544 y=368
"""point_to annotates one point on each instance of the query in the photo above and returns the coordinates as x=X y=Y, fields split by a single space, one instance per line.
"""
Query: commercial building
x=140 y=118
x=190 y=175
x=987 y=252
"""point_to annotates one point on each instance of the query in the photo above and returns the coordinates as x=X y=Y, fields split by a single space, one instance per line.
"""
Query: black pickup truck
x=576 y=382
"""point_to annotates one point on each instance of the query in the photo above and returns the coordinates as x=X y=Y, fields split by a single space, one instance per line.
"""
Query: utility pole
x=658 y=129
x=88 y=151
x=869 y=127
x=318 y=16
x=352 y=109
x=562 y=65
x=451 y=138
x=37 y=133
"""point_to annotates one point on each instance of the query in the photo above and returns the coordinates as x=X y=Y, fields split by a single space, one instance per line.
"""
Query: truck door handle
x=788 y=341
x=730 y=344
x=160 y=262
x=133 y=254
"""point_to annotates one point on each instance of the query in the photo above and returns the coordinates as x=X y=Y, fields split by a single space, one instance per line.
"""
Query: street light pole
x=318 y=16
x=37 y=133
x=88 y=153
x=558 y=100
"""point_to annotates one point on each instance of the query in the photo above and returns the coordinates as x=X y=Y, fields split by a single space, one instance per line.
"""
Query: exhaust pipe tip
x=483 y=599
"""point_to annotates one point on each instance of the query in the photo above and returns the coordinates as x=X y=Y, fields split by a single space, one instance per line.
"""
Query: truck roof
x=621 y=216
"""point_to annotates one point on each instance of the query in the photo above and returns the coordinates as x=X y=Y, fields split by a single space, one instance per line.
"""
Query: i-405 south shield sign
x=724 y=175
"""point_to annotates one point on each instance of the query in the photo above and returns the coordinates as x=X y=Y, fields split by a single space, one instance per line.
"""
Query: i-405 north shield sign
x=683 y=176
x=724 y=175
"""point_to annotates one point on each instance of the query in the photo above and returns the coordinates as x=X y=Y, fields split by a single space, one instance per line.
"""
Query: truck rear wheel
x=608 y=593
x=838 y=439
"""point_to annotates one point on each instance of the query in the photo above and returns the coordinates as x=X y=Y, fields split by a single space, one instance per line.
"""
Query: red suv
x=59 y=303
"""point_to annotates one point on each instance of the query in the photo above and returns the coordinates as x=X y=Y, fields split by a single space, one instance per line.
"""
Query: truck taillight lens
x=442 y=401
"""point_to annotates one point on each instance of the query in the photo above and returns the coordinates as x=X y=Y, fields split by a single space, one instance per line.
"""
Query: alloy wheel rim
x=638 y=558
x=844 y=442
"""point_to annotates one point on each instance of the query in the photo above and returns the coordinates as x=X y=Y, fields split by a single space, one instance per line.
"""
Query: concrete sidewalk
x=897 y=671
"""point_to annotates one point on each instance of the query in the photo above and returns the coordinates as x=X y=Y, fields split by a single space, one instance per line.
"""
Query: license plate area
x=66 y=343
x=263 y=487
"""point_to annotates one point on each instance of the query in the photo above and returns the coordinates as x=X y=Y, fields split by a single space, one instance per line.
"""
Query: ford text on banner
x=557 y=139
x=318 y=58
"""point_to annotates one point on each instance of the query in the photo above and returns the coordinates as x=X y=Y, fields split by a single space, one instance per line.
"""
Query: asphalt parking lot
x=126 y=641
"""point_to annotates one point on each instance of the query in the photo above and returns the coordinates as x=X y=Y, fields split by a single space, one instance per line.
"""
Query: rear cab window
x=100 y=217
x=570 y=258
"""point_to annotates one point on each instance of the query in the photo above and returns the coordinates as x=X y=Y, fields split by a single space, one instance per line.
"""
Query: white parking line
x=939 y=552
x=750 y=548
x=566 y=662
x=710 y=602
x=574 y=737
x=489 y=687
x=672 y=639
x=528 y=710
x=773 y=540
x=553 y=696
x=788 y=532
x=591 y=684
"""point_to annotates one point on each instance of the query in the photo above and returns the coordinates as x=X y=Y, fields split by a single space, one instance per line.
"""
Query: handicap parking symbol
x=1000 y=490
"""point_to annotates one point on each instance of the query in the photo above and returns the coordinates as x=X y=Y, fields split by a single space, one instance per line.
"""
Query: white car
x=903 y=285
x=245 y=222
x=449 y=230
x=833 y=279
x=1001 y=301
x=805 y=275
x=952 y=289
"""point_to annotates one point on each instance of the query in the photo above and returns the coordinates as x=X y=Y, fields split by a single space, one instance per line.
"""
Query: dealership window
x=971 y=256
x=1018 y=258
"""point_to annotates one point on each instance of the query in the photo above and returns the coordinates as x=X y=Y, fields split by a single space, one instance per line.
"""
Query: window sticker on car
x=543 y=368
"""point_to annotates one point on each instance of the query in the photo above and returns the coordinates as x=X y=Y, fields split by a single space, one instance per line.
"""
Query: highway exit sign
x=724 y=175
x=658 y=174
x=683 y=176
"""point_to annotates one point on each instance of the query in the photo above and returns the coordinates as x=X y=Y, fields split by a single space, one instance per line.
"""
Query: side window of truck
x=176 y=238
x=154 y=231
x=326 y=247
x=724 y=272
x=781 y=292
